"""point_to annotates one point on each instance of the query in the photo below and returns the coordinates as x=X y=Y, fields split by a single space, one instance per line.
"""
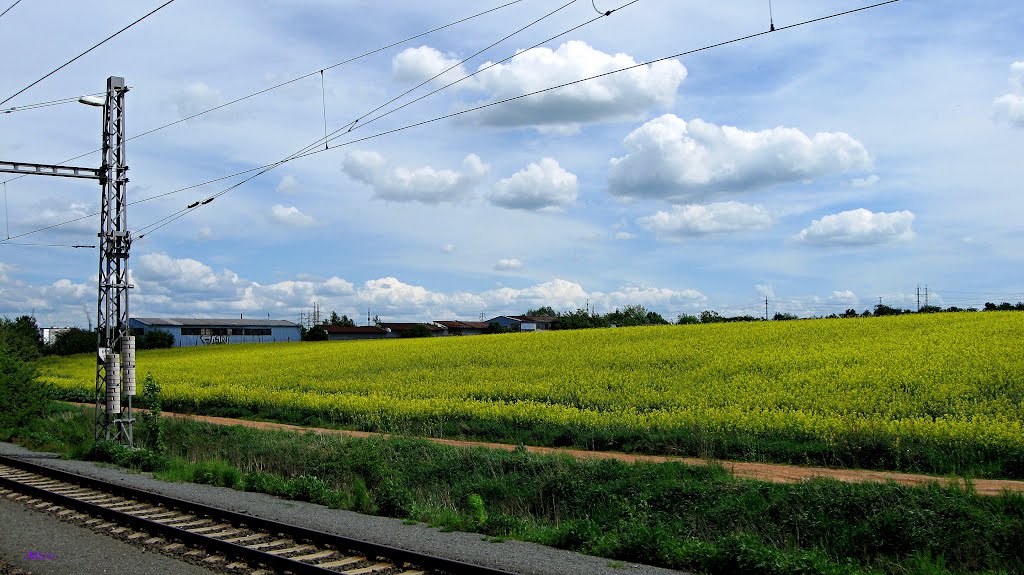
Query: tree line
x=635 y=315
x=23 y=334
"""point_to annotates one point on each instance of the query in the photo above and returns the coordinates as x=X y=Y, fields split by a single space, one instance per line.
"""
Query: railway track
x=217 y=538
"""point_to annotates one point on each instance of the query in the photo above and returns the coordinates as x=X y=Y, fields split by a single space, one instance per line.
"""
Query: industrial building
x=525 y=322
x=191 y=332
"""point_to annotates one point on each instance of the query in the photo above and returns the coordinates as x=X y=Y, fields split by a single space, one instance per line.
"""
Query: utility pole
x=115 y=344
x=765 y=309
x=919 y=297
x=925 y=295
x=115 y=347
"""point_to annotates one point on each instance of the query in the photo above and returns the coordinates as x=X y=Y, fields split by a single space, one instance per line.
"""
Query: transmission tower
x=115 y=367
x=115 y=362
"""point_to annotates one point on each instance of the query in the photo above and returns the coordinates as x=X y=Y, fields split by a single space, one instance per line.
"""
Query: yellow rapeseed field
x=949 y=379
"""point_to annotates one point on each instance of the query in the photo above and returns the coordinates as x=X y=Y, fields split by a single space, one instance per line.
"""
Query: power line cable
x=309 y=149
x=479 y=71
x=296 y=79
x=104 y=41
x=490 y=104
x=9 y=8
x=594 y=77
x=514 y=98
x=463 y=61
x=303 y=151
x=44 y=245
x=47 y=104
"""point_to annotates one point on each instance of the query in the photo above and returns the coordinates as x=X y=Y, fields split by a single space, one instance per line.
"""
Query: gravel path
x=515 y=556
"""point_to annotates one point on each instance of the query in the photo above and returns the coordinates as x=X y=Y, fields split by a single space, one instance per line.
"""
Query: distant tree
x=1004 y=306
x=867 y=313
x=686 y=319
x=72 y=341
x=930 y=309
x=785 y=317
x=710 y=316
x=883 y=310
x=343 y=321
x=580 y=319
x=744 y=318
x=654 y=318
x=22 y=398
x=544 y=310
x=20 y=338
x=850 y=313
x=630 y=315
x=315 y=333
x=418 y=330
x=156 y=339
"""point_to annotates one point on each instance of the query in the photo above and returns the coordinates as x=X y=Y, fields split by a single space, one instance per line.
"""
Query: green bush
x=156 y=339
x=22 y=398
x=73 y=341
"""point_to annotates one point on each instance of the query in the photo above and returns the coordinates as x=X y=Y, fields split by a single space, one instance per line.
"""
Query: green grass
x=692 y=518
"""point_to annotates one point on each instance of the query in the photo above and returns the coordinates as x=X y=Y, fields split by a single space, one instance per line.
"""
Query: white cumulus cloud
x=766 y=290
x=425 y=184
x=701 y=220
x=508 y=264
x=287 y=185
x=541 y=185
x=625 y=95
x=197 y=97
x=423 y=63
x=673 y=159
x=859 y=227
x=865 y=182
x=1009 y=108
x=290 y=216
x=159 y=274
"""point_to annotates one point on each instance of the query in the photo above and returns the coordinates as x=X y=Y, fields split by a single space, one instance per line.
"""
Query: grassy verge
x=852 y=450
x=692 y=518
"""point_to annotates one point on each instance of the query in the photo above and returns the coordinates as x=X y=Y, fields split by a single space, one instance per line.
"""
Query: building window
x=191 y=331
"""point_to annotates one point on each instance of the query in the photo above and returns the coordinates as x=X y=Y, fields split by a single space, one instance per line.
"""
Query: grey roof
x=215 y=322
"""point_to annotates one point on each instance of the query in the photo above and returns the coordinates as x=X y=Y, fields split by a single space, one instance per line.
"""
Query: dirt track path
x=762 y=471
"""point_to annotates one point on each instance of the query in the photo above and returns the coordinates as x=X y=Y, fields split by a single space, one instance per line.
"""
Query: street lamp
x=91 y=101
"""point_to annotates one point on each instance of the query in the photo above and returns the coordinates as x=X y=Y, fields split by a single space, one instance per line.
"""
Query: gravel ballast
x=515 y=556
x=39 y=543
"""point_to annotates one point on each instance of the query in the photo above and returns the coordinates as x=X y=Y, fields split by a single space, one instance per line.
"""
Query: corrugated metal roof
x=534 y=318
x=406 y=326
x=214 y=322
x=455 y=324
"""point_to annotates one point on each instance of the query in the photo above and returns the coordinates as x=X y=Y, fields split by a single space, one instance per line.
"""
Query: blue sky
x=820 y=167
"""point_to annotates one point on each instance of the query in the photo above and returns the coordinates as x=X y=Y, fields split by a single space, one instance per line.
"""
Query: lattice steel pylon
x=115 y=362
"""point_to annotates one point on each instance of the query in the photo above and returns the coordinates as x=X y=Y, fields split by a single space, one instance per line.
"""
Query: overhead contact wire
x=306 y=150
x=104 y=41
x=483 y=106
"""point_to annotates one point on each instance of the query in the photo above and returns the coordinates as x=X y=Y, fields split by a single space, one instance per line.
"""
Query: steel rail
x=297 y=533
